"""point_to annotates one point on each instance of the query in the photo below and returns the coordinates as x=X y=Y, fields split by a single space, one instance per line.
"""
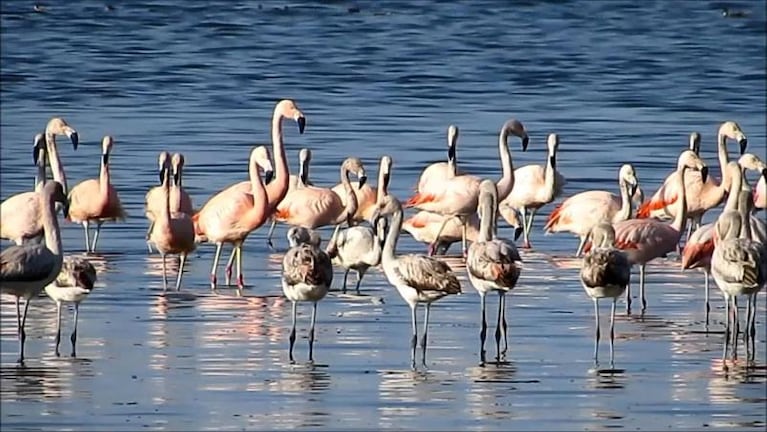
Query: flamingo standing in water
x=21 y=214
x=432 y=176
x=277 y=188
x=581 y=212
x=643 y=240
x=701 y=195
x=367 y=195
x=155 y=199
x=231 y=214
x=96 y=200
x=312 y=207
x=172 y=231
x=296 y=182
x=26 y=269
x=73 y=284
x=536 y=186
x=458 y=196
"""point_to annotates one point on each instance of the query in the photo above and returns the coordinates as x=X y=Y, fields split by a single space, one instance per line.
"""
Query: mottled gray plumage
x=605 y=266
x=77 y=272
x=425 y=273
x=299 y=235
x=495 y=261
x=307 y=264
x=27 y=263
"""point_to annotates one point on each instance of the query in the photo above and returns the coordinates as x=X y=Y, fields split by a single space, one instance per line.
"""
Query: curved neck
x=681 y=210
x=57 y=170
x=452 y=162
x=166 y=187
x=303 y=173
x=50 y=225
x=735 y=184
x=278 y=188
x=745 y=198
x=351 y=198
x=625 y=211
x=175 y=193
x=390 y=245
x=486 y=222
x=549 y=174
x=506 y=183
x=104 y=180
x=40 y=178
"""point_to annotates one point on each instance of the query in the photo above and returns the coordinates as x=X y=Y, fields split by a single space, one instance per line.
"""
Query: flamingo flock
x=367 y=221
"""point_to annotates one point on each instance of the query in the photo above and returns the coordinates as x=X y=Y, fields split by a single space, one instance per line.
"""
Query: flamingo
x=356 y=248
x=231 y=214
x=172 y=230
x=298 y=235
x=73 y=284
x=276 y=188
x=432 y=176
x=643 y=240
x=752 y=162
x=26 y=269
x=96 y=200
x=312 y=207
x=20 y=215
x=367 y=195
x=306 y=276
x=458 y=196
x=154 y=202
x=296 y=182
x=739 y=267
x=701 y=196
x=492 y=265
x=605 y=272
x=582 y=211
x=536 y=186
x=760 y=194
x=418 y=278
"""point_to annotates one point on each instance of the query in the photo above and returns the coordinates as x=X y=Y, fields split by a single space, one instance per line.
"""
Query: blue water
x=619 y=81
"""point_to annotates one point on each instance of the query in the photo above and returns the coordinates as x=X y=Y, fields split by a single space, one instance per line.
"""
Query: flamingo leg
x=612 y=335
x=96 y=237
x=708 y=304
x=414 y=339
x=433 y=246
x=164 y=273
x=596 y=334
x=228 y=268
x=293 y=334
x=87 y=237
x=530 y=222
x=22 y=333
x=464 y=226
x=148 y=235
x=271 y=233
x=748 y=321
x=525 y=234
x=58 y=328
x=580 y=247
x=360 y=275
x=180 y=271
x=346 y=275
x=215 y=265
x=240 y=276
x=498 y=331
x=425 y=334
x=642 y=287
x=726 y=330
x=628 y=298
x=311 y=332
x=483 y=330
x=504 y=333
x=73 y=337
x=735 y=327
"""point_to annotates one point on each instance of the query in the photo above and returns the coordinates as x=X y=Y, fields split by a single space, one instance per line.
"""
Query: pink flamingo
x=295 y=182
x=701 y=196
x=154 y=202
x=536 y=186
x=752 y=162
x=643 y=240
x=367 y=195
x=172 y=231
x=21 y=214
x=760 y=193
x=433 y=175
x=312 y=207
x=276 y=188
x=581 y=212
x=458 y=196
x=231 y=214
x=96 y=200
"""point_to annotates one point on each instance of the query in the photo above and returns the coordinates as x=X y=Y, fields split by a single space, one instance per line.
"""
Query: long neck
x=721 y=149
x=681 y=210
x=351 y=199
x=40 y=178
x=486 y=222
x=381 y=188
x=549 y=175
x=57 y=170
x=506 y=183
x=303 y=173
x=175 y=193
x=745 y=198
x=51 y=226
x=165 y=212
x=452 y=167
x=625 y=211
x=278 y=188
x=736 y=183
x=390 y=245
x=256 y=185
x=104 y=180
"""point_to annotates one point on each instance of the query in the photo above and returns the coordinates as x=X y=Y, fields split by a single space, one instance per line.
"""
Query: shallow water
x=619 y=81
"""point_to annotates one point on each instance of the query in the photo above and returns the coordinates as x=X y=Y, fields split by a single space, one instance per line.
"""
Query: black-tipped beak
x=105 y=158
x=268 y=176
x=162 y=175
x=704 y=174
x=451 y=153
x=65 y=209
x=386 y=179
x=764 y=174
x=553 y=161
x=36 y=154
x=518 y=232
x=75 y=140
x=633 y=189
x=375 y=217
x=176 y=178
x=743 y=143
x=362 y=180
x=301 y=124
x=525 y=142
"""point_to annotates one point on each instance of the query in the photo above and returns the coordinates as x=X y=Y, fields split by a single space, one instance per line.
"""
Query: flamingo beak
x=764 y=174
x=65 y=208
x=525 y=142
x=36 y=154
x=386 y=179
x=518 y=232
x=633 y=189
x=743 y=143
x=268 y=176
x=553 y=161
x=162 y=174
x=361 y=181
x=74 y=138
x=704 y=174
x=105 y=158
x=301 y=124
x=451 y=153
x=176 y=178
